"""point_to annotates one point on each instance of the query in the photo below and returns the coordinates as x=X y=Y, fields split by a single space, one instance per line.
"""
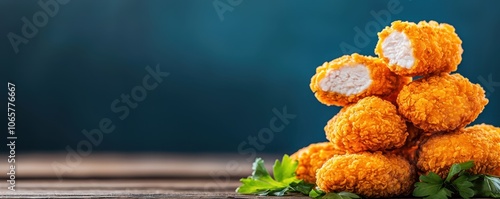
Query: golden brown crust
x=372 y=175
x=436 y=47
x=480 y=143
x=401 y=82
x=311 y=158
x=441 y=103
x=384 y=82
x=372 y=124
x=410 y=148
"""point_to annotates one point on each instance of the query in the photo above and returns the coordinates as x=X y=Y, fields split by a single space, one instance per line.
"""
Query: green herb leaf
x=340 y=195
x=316 y=193
x=458 y=180
x=284 y=181
x=279 y=192
x=252 y=186
x=459 y=169
x=455 y=169
x=464 y=186
x=348 y=194
x=430 y=185
x=423 y=189
x=260 y=183
x=467 y=165
x=284 y=171
x=490 y=187
x=302 y=187
x=260 y=171
x=443 y=193
x=431 y=178
x=472 y=178
x=331 y=196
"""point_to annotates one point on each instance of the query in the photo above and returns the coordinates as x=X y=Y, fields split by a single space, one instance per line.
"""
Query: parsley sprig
x=318 y=194
x=458 y=181
x=284 y=182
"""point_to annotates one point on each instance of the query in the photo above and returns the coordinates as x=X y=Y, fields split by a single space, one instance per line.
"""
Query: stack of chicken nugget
x=390 y=128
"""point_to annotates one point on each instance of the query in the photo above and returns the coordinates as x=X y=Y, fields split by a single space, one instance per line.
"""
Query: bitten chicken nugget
x=372 y=124
x=480 y=143
x=441 y=103
x=312 y=157
x=420 y=49
x=350 y=78
x=372 y=175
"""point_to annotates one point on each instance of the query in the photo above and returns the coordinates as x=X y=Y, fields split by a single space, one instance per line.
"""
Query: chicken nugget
x=312 y=157
x=402 y=81
x=480 y=143
x=372 y=124
x=441 y=103
x=350 y=78
x=420 y=49
x=410 y=148
x=372 y=175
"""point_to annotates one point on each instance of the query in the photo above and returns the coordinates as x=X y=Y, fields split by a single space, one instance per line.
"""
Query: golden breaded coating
x=372 y=124
x=350 y=78
x=402 y=81
x=409 y=149
x=496 y=172
x=441 y=103
x=420 y=49
x=414 y=133
x=480 y=143
x=371 y=175
x=311 y=158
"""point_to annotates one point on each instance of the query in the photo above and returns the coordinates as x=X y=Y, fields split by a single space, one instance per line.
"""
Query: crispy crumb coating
x=402 y=81
x=496 y=172
x=436 y=47
x=372 y=175
x=441 y=103
x=372 y=124
x=311 y=158
x=410 y=148
x=384 y=82
x=414 y=133
x=480 y=143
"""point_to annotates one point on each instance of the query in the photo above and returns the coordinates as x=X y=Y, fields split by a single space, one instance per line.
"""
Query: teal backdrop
x=233 y=67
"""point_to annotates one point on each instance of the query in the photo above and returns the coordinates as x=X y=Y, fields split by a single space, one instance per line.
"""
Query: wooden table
x=131 y=176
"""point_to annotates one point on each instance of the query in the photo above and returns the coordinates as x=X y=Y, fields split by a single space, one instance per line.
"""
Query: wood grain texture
x=138 y=175
x=143 y=188
x=136 y=165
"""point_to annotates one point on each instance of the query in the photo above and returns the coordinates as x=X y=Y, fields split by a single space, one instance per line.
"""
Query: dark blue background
x=226 y=75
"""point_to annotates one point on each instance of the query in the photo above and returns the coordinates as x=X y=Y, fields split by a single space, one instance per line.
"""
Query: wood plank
x=81 y=188
x=137 y=175
x=136 y=165
x=128 y=189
